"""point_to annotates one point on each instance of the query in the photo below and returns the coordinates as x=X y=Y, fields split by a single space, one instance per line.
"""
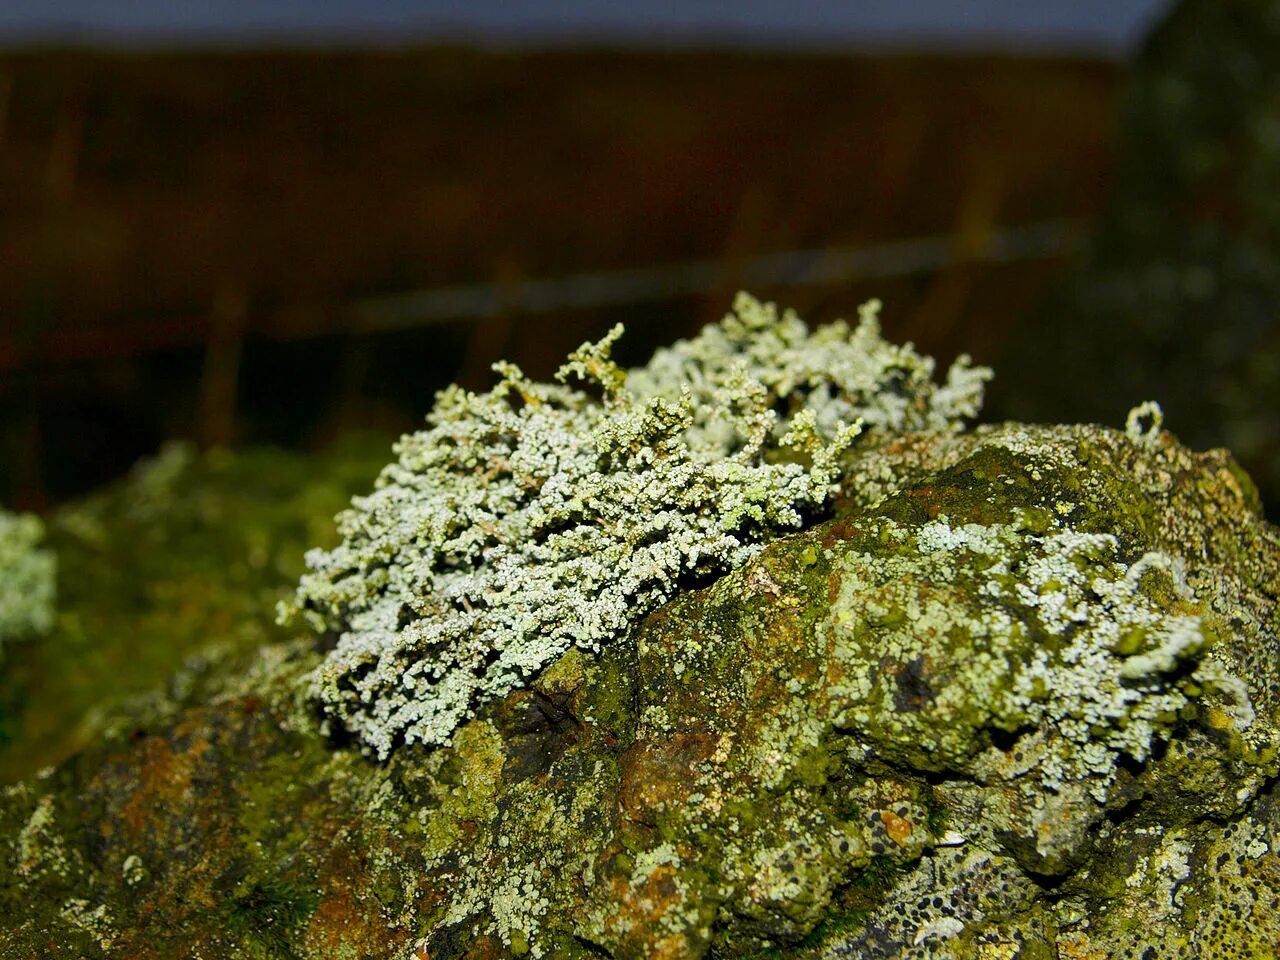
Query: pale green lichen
x=539 y=517
x=1048 y=632
x=27 y=577
x=841 y=373
x=1144 y=421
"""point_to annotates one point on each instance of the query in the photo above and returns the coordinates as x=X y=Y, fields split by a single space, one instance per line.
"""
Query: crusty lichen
x=1144 y=421
x=1016 y=628
x=536 y=517
x=27 y=577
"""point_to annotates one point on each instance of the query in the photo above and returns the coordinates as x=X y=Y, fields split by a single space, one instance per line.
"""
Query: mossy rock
x=183 y=560
x=1017 y=698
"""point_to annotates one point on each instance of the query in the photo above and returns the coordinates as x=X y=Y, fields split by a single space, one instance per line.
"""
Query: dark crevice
x=1128 y=763
x=480 y=669
x=1125 y=812
x=1049 y=882
x=326 y=642
x=1006 y=741
x=592 y=948
x=538 y=729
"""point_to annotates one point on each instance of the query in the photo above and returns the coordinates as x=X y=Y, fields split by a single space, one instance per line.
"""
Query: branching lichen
x=537 y=517
x=27 y=577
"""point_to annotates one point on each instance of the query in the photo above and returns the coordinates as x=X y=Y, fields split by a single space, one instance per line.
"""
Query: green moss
x=286 y=781
x=838 y=925
x=939 y=813
x=266 y=916
x=848 y=914
x=816 y=766
x=877 y=877
x=188 y=555
x=609 y=701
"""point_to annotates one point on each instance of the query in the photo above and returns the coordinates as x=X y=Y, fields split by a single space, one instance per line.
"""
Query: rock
x=187 y=551
x=1017 y=698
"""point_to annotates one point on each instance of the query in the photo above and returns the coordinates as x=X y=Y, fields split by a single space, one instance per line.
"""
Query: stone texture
x=839 y=750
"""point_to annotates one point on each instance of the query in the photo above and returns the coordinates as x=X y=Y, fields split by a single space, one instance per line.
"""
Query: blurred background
x=273 y=229
x=241 y=223
x=275 y=222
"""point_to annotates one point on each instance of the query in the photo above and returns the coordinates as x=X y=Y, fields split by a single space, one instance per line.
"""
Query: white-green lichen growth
x=1144 y=421
x=539 y=517
x=841 y=373
x=28 y=574
x=1051 y=635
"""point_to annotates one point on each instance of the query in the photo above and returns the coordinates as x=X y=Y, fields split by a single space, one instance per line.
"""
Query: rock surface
x=1018 y=698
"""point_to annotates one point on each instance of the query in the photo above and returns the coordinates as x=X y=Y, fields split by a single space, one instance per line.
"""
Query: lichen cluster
x=27 y=577
x=538 y=517
x=1049 y=634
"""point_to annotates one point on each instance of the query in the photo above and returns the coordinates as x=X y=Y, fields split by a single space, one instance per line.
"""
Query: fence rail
x=1052 y=239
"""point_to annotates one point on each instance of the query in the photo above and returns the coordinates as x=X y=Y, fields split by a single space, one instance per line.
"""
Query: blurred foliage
x=1179 y=297
x=185 y=557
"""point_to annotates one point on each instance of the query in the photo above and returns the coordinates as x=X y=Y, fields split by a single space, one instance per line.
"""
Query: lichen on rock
x=539 y=517
x=1018 y=696
x=1022 y=628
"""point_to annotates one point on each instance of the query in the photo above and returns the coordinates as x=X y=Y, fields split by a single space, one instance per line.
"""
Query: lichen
x=539 y=517
x=27 y=578
x=961 y=631
x=1143 y=423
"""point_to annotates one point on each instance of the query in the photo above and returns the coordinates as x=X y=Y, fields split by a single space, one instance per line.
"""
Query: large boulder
x=1017 y=698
